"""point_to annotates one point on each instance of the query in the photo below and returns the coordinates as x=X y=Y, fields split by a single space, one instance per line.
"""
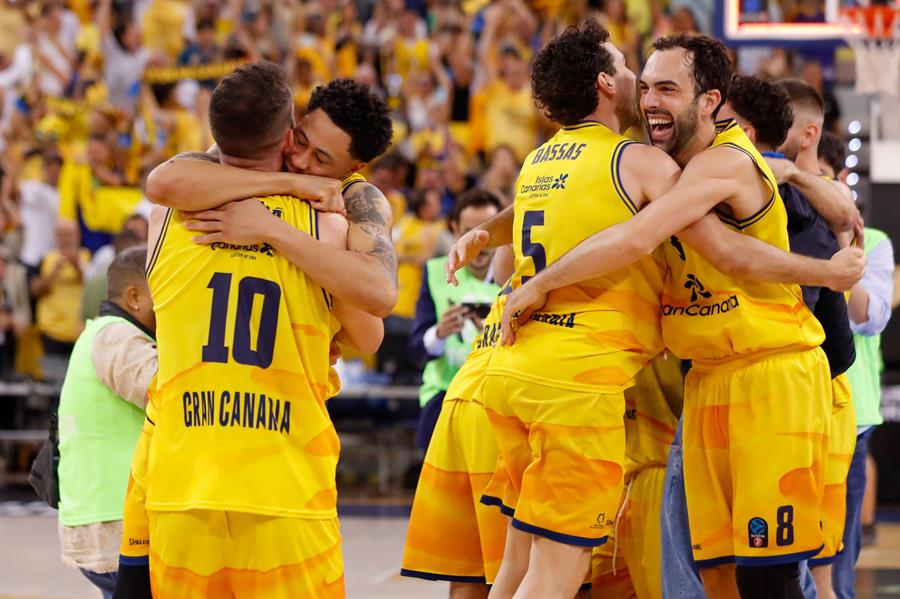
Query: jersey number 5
x=215 y=349
x=534 y=250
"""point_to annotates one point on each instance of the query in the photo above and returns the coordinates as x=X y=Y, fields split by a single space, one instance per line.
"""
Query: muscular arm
x=359 y=329
x=370 y=216
x=744 y=256
x=197 y=181
x=355 y=278
x=831 y=199
x=693 y=197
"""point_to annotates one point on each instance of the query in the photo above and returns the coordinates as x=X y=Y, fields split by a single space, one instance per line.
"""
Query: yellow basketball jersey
x=652 y=408
x=243 y=376
x=708 y=315
x=593 y=336
x=467 y=381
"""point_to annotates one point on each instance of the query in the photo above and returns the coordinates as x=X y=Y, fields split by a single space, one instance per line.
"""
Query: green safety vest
x=440 y=371
x=865 y=373
x=98 y=431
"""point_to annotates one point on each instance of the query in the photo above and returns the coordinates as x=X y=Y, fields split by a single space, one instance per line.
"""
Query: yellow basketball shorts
x=452 y=535
x=629 y=564
x=135 y=547
x=755 y=447
x=220 y=554
x=841 y=445
x=560 y=470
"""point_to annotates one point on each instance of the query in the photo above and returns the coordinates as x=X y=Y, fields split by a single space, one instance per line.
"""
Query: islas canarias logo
x=546 y=183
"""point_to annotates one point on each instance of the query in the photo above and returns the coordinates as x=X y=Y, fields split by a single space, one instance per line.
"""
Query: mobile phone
x=480 y=309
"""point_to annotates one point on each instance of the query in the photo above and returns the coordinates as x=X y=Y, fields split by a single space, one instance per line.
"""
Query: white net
x=877 y=55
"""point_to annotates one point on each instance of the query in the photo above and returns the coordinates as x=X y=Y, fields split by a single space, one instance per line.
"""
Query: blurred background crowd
x=95 y=93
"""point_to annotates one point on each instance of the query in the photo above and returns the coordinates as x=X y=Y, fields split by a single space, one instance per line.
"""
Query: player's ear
x=751 y=132
x=810 y=137
x=605 y=84
x=711 y=100
x=288 y=141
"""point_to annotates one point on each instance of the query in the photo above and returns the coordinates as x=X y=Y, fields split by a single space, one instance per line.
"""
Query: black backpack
x=43 y=476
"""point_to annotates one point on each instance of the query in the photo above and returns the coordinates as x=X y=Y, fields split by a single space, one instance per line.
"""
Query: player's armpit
x=369 y=214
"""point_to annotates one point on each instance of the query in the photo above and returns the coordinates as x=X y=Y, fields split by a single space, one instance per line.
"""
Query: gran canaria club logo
x=560 y=181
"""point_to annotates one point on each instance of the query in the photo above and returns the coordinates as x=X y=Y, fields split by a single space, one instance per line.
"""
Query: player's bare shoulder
x=647 y=172
x=369 y=214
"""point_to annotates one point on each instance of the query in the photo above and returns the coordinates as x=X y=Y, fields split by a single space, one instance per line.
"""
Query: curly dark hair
x=832 y=150
x=564 y=75
x=251 y=110
x=359 y=113
x=765 y=105
x=710 y=66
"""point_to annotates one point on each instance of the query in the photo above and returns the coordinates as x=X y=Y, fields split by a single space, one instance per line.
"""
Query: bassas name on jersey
x=562 y=151
x=237 y=409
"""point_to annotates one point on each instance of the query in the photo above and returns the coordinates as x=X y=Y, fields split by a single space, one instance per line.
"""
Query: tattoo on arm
x=369 y=212
x=207 y=156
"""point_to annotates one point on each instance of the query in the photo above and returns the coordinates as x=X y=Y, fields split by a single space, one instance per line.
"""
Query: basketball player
x=749 y=340
x=764 y=111
x=453 y=536
x=345 y=128
x=240 y=454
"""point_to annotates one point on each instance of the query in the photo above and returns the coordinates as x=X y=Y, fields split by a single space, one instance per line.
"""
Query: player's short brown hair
x=803 y=95
x=251 y=110
x=765 y=105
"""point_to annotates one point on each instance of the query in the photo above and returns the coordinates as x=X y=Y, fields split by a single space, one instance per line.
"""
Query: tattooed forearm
x=370 y=215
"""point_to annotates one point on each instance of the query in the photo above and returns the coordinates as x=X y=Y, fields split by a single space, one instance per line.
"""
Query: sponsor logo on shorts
x=133 y=542
x=602 y=521
x=758 y=530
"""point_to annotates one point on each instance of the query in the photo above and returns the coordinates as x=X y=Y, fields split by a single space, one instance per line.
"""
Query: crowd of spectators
x=95 y=93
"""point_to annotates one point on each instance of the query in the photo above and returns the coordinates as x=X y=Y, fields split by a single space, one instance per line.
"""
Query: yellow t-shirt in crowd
x=57 y=312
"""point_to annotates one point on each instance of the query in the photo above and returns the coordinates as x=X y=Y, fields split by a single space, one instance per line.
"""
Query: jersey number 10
x=215 y=349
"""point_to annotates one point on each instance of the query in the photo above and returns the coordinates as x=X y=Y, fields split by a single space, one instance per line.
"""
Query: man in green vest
x=869 y=307
x=101 y=410
x=448 y=318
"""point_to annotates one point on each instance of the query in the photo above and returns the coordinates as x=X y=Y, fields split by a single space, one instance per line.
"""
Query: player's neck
x=479 y=273
x=702 y=140
x=807 y=160
x=606 y=116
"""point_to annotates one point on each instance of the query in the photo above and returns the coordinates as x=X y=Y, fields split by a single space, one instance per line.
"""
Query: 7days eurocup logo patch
x=758 y=530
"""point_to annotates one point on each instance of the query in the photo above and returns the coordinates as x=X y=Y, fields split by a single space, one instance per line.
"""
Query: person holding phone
x=448 y=318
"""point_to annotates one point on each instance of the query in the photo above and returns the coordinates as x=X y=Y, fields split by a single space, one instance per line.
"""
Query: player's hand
x=783 y=169
x=322 y=193
x=846 y=268
x=451 y=322
x=464 y=251
x=520 y=305
x=242 y=222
